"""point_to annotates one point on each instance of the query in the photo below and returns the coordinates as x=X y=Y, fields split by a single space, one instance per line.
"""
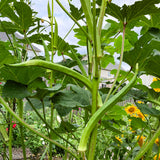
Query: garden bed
x=18 y=155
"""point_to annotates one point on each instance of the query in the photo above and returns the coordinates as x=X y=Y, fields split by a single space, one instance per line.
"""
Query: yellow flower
x=155 y=79
x=140 y=102
x=117 y=137
x=155 y=157
x=140 y=115
x=133 y=131
x=141 y=140
x=131 y=109
x=156 y=89
x=157 y=141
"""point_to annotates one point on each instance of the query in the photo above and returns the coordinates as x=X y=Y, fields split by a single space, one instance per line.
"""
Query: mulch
x=17 y=154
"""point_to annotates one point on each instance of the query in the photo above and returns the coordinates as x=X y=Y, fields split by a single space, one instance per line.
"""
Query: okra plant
x=131 y=31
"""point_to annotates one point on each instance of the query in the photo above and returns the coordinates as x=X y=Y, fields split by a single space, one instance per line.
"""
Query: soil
x=17 y=154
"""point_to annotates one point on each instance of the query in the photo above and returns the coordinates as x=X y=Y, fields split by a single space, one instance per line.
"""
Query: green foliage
x=75 y=12
x=6 y=56
x=25 y=15
x=128 y=13
x=13 y=89
x=38 y=104
x=148 y=110
x=67 y=100
x=106 y=59
x=22 y=75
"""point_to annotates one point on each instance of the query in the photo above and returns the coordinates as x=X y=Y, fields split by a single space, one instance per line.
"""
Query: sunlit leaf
x=155 y=84
x=118 y=44
x=116 y=112
x=106 y=59
x=25 y=14
x=131 y=12
x=5 y=56
x=24 y=75
x=9 y=26
x=75 y=12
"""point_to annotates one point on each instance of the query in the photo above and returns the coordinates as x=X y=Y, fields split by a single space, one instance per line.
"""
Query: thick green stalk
x=2 y=101
x=57 y=67
x=20 y=109
x=148 y=145
x=92 y=144
x=52 y=38
x=87 y=35
x=101 y=112
x=101 y=16
x=90 y=59
x=95 y=46
x=93 y=138
x=86 y=6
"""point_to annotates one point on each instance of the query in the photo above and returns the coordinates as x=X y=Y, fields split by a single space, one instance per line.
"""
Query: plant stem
x=20 y=108
x=101 y=16
x=45 y=151
x=121 y=82
x=30 y=45
x=86 y=6
x=120 y=63
x=148 y=145
x=10 y=138
x=65 y=156
x=90 y=59
x=48 y=124
x=57 y=67
x=31 y=129
x=129 y=153
x=92 y=143
x=51 y=135
x=79 y=62
x=102 y=110
x=52 y=38
x=87 y=35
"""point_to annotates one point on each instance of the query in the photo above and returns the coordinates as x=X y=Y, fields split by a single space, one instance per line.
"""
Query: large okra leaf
x=67 y=100
x=24 y=75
